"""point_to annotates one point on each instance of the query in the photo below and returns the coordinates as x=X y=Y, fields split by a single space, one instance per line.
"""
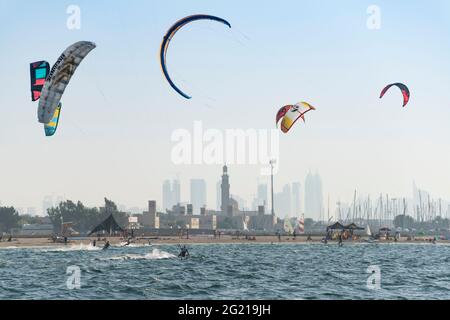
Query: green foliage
x=426 y=226
x=403 y=221
x=84 y=219
x=9 y=218
x=27 y=219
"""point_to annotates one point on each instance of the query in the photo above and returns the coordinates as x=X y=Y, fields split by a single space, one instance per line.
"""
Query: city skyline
x=353 y=139
x=285 y=200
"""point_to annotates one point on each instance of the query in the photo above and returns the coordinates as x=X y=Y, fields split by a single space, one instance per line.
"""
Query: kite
x=50 y=128
x=291 y=113
x=59 y=77
x=170 y=34
x=402 y=87
x=38 y=73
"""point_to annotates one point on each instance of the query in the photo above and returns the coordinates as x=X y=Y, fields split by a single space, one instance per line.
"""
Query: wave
x=77 y=247
x=132 y=245
x=156 y=254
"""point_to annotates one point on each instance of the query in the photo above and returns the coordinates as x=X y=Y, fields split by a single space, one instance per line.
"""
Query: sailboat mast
x=328 y=209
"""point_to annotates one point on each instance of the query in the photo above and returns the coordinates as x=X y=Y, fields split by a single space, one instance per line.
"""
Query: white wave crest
x=156 y=254
x=75 y=247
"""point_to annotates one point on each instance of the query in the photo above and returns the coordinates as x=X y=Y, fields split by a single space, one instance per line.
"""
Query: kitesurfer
x=340 y=241
x=184 y=253
x=106 y=246
x=127 y=243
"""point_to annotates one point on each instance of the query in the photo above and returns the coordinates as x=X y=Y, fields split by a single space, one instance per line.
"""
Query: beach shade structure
x=353 y=226
x=67 y=229
x=385 y=229
x=336 y=227
x=110 y=226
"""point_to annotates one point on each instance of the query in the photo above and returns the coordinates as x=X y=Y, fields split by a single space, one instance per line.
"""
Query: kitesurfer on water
x=340 y=240
x=184 y=253
x=127 y=243
x=106 y=245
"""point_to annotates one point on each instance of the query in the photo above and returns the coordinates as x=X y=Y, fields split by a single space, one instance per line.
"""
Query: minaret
x=225 y=186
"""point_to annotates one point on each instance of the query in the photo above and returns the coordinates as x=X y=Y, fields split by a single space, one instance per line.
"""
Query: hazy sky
x=119 y=113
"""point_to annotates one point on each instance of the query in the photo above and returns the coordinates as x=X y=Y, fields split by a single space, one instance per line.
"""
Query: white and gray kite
x=59 y=77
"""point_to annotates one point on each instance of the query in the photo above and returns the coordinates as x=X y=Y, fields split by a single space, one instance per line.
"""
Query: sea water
x=228 y=271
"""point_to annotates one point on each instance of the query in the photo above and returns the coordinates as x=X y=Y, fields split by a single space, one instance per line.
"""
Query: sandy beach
x=118 y=241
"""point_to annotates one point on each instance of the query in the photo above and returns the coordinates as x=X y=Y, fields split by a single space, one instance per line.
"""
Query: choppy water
x=241 y=271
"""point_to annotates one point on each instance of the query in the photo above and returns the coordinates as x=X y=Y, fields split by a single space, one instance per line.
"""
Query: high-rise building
x=313 y=196
x=218 y=195
x=262 y=195
x=47 y=203
x=176 y=191
x=225 y=191
x=171 y=194
x=282 y=202
x=152 y=207
x=296 y=202
x=59 y=199
x=167 y=195
x=198 y=194
x=242 y=203
x=31 y=211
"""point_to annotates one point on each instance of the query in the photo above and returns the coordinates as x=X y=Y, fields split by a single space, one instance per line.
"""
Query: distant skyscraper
x=59 y=199
x=283 y=202
x=296 y=196
x=242 y=203
x=313 y=196
x=176 y=191
x=47 y=203
x=218 y=195
x=225 y=191
x=262 y=195
x=171 y=194
x=167 y=196
x=198 y=194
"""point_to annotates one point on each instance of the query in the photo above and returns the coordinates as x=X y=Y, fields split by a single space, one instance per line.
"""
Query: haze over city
x=120 y=115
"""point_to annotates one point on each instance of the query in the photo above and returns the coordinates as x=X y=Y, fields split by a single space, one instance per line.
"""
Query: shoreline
x=118 y=241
